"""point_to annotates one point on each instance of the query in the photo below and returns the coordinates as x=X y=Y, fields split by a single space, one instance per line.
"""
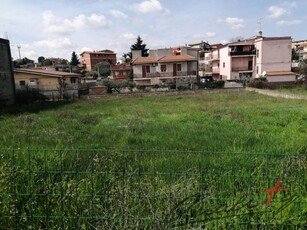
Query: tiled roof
x=145 y=60
x=44 y=72
x=278 y=73
x=173 y=58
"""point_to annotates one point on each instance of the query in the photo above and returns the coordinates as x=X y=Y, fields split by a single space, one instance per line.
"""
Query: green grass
x=298 y=90
x=230 y=122
x=206 y=180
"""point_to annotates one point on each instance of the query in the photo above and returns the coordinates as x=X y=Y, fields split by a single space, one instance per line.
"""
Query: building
x=165 y=65
x=121 y=71
x=90 y=59
x=7 y=89
x=301 y=49
x=47 y=82
x=254 y=57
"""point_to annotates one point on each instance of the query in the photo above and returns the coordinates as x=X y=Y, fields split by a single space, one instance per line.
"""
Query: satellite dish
x=263 y=73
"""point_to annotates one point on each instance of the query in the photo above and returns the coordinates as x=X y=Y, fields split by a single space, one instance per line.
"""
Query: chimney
x=136 y=54
x=260 y=33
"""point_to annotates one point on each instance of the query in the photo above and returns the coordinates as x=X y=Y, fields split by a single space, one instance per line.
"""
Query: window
x=179 y=67
x=257 y=53
x=72 y=80
x=163 y=68
x=223 y=64
x=22 y=83
x=147 y=69
x=257 y=70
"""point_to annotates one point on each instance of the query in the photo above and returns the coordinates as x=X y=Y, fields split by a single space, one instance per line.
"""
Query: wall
x=282 y=78
x=274 y=55
x=7 y=89
x=224 y=57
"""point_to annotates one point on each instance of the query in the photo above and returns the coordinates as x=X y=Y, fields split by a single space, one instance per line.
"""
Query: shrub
x=212 y=85
x=260 y=83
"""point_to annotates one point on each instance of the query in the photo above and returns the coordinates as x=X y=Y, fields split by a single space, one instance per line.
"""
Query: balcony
x=244 y=68
x=243 y=53
x=215 y=58
x=167 y=74
x=215 y=69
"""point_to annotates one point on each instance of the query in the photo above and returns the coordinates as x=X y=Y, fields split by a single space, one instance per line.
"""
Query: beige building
x=46 y=81
x=7 y=89
x=301 y=49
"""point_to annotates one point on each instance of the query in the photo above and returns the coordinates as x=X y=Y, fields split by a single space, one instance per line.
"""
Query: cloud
x=54 y=43
x=289 y=23
x=206 y=35
x=53 y=24
x=276 y=12
x=118 y=14
x=235 y=23
x=129 y=36
x=149 y=6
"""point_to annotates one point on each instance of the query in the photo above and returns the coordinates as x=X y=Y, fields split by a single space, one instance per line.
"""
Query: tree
x=294 y=55
x=24 y=62
x=138 y=45
x=103 y=69
x=41 y=59
x=74 y=59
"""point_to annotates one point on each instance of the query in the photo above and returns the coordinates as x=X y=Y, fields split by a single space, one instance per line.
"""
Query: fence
x=111 y=189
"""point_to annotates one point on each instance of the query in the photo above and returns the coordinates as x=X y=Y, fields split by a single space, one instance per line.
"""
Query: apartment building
x=91 y=58
x=301 y=49
x=7 y=89
x=254 y=57
x=165 y=65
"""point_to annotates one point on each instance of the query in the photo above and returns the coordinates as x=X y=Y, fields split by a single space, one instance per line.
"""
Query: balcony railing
x=244 y=68
x=168 y=74
x=240 y=53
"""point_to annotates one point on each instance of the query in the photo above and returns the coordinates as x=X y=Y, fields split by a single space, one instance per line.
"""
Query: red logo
x=273 y=190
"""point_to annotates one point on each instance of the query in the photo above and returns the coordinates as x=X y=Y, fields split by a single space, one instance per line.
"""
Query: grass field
x=199 y=160
x=299 y=90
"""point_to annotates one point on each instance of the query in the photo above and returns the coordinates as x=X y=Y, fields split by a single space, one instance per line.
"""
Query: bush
x=183 y=87
x=259 y=83
x=212 y=85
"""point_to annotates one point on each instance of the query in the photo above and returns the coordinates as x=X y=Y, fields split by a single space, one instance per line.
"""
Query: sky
x=56 y=28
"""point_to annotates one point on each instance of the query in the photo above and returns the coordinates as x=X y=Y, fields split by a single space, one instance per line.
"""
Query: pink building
x=255 y=57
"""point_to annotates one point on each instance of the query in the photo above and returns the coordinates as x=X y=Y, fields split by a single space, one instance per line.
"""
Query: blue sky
x=56 y=28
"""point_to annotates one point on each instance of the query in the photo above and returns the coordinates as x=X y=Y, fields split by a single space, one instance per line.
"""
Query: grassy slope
x=237 y=122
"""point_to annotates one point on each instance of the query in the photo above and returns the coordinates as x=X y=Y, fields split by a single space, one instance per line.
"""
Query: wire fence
x=112 y=189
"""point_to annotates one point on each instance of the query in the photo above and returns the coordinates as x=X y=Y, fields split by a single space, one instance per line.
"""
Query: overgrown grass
x=297 y=90
x=231 y=122
x=206 y=181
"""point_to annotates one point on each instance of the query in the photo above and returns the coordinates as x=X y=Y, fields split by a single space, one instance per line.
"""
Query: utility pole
x=18 y=46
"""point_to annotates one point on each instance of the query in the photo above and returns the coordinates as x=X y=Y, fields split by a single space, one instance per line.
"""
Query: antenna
x=18 y=46
x=260 y=26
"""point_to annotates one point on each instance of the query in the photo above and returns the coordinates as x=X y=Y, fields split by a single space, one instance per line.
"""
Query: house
x=121 y=71
x=205 y=60
x=7 y=89
x=48 y=82
x=165 y=65
x=90 y=59
x=254 y=57
x=301 y=49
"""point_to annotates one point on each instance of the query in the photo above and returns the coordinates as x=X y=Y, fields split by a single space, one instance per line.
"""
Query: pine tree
x=138 y=45
x=74 y=59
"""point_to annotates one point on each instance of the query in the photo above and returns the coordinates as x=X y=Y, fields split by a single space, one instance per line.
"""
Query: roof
x=49 y=73
x=98 y=52
x=279 y=73
x=172 y=58
x=121 y=67
x=145 y=60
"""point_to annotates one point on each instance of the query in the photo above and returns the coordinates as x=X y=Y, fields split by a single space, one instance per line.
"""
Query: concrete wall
x=273 y=55
x=282 y=78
